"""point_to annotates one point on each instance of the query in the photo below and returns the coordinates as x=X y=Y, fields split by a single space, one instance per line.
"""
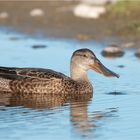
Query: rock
x=14 y=38
x=137 y=54
x=88 y=11
x=116 y=93
x=128 y=45
x=121 y=66
x=83 y=37
x=39 y=46
x=99 y=2
x=114 y=45
x=112 y=52
x=36 y=13
x=4 y=15
x=124 y=45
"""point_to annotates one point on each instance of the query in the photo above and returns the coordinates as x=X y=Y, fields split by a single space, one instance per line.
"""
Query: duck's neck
x=77 y=73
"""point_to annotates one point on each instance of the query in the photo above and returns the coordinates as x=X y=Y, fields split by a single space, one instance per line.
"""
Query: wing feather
x=38 y=73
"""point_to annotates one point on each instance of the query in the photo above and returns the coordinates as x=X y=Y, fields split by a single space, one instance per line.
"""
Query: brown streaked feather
x=35 y=85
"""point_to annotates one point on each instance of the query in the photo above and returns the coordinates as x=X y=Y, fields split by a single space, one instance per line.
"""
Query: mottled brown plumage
x=36 y=80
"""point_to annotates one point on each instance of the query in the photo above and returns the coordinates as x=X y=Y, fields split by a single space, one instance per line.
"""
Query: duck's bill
x=100 y=68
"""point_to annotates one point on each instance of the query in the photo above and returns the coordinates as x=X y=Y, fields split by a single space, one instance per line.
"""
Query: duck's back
x=34 y=80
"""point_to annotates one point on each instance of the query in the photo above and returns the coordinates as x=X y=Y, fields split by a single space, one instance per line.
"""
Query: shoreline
x=58 y=21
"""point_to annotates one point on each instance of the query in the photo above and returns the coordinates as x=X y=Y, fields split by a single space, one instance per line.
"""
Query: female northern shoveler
x=36 y=80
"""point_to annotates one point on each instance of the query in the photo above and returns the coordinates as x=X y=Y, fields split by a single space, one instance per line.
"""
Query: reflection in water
x=41 y=101
x=37 y=101
x=82 y=122
x=23 y=123
x=116 y=93
x=79 y=117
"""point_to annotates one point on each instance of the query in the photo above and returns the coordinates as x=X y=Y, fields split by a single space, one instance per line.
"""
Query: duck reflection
x=81 y=121
x=41 y=101
x=37 y=101
x=79 y=117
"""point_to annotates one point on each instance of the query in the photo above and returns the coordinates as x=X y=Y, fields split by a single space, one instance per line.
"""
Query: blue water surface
x=112 y=113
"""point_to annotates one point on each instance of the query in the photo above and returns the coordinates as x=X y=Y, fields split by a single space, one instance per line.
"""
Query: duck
x=47 y=81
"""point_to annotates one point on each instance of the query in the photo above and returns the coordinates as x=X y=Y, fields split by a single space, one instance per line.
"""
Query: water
x=112 y=113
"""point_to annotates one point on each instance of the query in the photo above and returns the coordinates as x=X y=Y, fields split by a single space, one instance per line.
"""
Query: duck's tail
x=8 y=73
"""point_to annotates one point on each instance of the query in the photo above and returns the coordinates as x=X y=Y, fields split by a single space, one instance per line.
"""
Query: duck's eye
x=85 y=55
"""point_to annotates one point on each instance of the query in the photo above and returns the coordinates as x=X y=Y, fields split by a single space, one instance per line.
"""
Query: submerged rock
x=14 y=38
x=112 y=51
x=39 y=46
x=4 y=15
x=36 y=12
x=137 y=54
x=116 y=93
x=121 y=66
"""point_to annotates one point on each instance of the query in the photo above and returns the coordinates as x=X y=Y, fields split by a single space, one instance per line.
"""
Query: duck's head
x=85 y=59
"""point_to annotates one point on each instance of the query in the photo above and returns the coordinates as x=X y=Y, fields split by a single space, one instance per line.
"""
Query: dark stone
x=39 y=46
x=121 y=66
x=115 y=93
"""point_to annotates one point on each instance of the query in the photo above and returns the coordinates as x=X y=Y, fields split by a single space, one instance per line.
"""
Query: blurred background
x=45 y=34
x=80 y=19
